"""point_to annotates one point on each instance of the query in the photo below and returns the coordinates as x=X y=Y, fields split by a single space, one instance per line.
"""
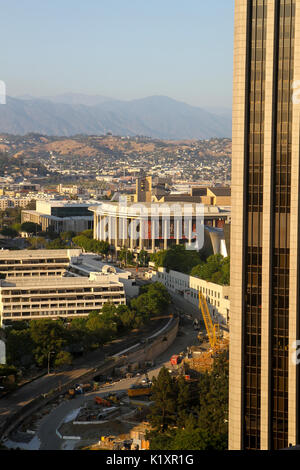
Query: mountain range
x=70 y=114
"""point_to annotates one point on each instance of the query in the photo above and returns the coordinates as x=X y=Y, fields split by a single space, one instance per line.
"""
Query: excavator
x=213 y=330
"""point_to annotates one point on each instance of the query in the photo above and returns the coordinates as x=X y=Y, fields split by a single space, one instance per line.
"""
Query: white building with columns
x=156 y=226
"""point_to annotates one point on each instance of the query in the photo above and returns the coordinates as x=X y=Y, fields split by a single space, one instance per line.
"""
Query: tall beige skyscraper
x=264 y=379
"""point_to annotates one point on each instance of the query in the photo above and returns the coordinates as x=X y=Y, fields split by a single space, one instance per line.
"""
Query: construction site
x=200 y=358
x=110 y=422
x=111 y=412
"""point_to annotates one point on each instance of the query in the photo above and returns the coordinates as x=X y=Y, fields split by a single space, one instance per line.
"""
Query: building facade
x=36 y=263
x=264 y=379
x=143 y=189
x=156 y=226
x=60 y=216
x=28 y=299
x=86 y=264
x=29 y=264
x=188 y=287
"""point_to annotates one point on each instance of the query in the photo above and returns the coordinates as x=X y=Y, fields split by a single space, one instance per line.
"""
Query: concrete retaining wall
x=157 y=346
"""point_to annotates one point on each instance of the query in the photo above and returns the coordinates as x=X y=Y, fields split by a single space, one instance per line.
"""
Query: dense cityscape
x=113 y=159
x=149 y=284
x=99 y=289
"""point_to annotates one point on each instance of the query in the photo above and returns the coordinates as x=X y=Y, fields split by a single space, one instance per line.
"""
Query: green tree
x=143 y=258
x=184 y=400
x=7 y=370
x=213 y=401
x=157 y=297
x=48 y=336
x=126 y=257
x=31 y=206
x=91 y=245
x=19 y=347
x=63 y=358
x=101 y=331
x=127 y=317
x=9 y=232
x=145 y=306
x=30 y=227
x=182 y=418
x=37 y=243
x=88 y=234
x=67 y=236
x=163 y=412
x=216 y=269
x=57 y=244
x=192 y=438
x=177 y=258
x=16 y=227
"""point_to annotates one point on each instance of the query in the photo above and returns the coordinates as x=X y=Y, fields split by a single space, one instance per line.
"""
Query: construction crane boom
x=210 y=327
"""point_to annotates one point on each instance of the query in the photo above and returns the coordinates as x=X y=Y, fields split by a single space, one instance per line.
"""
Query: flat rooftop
x=92 y=263
x=64 y=203
x=55 y=282
x=58 y=219
x=144 y=208
x=40 y=254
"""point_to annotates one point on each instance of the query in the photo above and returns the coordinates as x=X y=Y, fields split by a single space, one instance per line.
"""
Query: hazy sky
x=119 y=48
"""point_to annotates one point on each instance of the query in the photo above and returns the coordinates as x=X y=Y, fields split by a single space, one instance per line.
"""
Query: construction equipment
x=141 y=388
x=196 y=324
x=71 y=393
x=175 y=360
x=102 y=401
x=213 y=330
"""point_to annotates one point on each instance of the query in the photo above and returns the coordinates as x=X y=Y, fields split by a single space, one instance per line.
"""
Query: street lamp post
x=49 y=354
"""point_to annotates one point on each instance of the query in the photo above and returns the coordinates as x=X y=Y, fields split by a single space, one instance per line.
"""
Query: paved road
x=47 y=430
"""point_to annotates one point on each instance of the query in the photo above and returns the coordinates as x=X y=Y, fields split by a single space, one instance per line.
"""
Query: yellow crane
x=213 y=331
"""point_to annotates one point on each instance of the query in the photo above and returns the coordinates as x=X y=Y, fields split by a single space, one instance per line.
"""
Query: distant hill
x=70 y=114
x=71 y=98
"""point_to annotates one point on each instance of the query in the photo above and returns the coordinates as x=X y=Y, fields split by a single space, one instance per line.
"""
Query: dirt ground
x=91 y=433
x=120 y=425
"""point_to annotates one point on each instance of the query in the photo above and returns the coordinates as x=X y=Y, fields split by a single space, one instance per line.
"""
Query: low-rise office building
x=60 y=216
x=36 y=263
x=86 y=264
x=188 y=287
x=61 y=263
x=9 y=202
x=27 y=299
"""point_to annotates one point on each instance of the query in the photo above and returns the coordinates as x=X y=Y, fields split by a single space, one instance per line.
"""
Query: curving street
x=25 y=394
x=49 y=440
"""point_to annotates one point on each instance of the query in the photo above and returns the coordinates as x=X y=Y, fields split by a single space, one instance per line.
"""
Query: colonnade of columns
x=140 y=233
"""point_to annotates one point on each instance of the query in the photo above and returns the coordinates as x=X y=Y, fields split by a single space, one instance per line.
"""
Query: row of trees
x=69 y=239
x=189 y=416
x=86 y=242
x=177 y=258
x=127 y=257
x=215 y=268
x=11 y=217
x=32 y=342
x=15 y=229
x=51 y=240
